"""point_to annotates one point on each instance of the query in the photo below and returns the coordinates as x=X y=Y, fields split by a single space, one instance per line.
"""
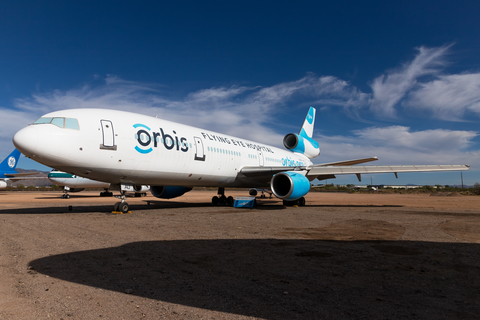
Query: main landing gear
x=299 y=202
x=221 y=199
x=106 y=193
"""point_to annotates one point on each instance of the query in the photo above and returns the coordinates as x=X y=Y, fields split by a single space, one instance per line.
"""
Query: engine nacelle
x=141 y=188
x=3 y=184
x=301 y=144
x=289 y=185
x=252 y=192
x=168 y=192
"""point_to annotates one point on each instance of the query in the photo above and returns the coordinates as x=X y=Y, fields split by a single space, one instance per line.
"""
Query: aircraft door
x=260 y=158
x=108 y=135
x=199 y=154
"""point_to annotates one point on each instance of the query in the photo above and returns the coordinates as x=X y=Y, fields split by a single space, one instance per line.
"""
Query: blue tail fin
x=307 y=128
x=10 y=162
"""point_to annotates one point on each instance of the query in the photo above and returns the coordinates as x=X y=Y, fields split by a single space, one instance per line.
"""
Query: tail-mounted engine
x=168 y=192
x=289 y=185
x=301 y=144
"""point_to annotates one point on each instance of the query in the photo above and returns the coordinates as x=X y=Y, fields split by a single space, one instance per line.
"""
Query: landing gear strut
x=222 y=200
x=65 y=194
x=121 y=206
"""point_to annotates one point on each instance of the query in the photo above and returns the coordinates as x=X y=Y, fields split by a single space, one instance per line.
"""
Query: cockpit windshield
x=68 y=123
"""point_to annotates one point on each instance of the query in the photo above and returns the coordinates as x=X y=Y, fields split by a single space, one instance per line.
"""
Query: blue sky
x=395 y=80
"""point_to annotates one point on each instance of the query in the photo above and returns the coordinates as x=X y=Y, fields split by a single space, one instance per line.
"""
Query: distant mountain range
x=36 y=182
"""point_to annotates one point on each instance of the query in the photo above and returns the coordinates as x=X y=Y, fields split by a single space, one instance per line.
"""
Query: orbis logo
x=149 y=140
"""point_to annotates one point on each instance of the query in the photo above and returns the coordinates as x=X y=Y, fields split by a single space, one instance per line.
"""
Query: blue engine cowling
x=168 y=192
x=289 y=185
x=301 y=144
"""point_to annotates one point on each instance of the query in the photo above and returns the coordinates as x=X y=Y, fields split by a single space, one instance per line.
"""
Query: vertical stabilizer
x=10 y=162
x=307 y=128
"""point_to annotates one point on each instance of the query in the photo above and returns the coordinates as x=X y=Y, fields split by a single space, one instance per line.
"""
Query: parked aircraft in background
x=128 y=149
x=73 y=183
x=7 y=170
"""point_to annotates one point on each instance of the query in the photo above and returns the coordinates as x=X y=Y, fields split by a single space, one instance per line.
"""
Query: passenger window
x=59 y=122
x=71 y=123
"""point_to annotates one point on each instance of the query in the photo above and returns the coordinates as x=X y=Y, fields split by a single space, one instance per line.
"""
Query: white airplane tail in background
x=303 y=142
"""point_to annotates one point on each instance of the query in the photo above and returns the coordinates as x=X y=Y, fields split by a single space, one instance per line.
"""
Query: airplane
x=73 y=183
x=7 y=170
x=128 y=149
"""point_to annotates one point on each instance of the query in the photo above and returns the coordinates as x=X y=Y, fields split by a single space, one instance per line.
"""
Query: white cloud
x=237 y=110
x=389 y=89
x=400 y=145
x=448 y=97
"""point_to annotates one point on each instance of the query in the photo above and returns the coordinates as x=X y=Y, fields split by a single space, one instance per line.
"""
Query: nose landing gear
x=122 y=206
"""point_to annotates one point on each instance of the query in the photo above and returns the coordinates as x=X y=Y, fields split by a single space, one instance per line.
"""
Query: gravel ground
x=343 y=256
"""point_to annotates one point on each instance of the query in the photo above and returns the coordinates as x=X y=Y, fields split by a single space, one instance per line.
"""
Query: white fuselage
x=64 y=179
x=122 y=147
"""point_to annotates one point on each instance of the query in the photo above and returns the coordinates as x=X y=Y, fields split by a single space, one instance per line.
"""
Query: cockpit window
x=59 y=122
x=43 y=120
x=69 y=123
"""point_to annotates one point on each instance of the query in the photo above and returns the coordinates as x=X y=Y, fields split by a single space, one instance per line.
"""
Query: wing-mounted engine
x=168 y=192
x=304 y=145
x=289 y=185
x=3 y=184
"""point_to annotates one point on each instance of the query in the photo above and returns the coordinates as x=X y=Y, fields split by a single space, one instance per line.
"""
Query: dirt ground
x=343 y=256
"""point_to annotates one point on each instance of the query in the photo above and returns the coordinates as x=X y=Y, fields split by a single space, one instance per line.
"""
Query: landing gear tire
x=287 y=203
x=215 y=201
x=301 y=202
x=66 y=196
x=223 y=200
x=230 y=201
x=123 y=207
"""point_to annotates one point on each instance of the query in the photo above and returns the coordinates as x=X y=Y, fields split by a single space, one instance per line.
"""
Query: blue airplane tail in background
x=7 y=166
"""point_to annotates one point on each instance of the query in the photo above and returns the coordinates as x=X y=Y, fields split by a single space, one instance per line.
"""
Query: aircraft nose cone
x=26 y=141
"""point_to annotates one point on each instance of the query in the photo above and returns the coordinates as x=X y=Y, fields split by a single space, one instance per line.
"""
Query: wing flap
x=346 y=162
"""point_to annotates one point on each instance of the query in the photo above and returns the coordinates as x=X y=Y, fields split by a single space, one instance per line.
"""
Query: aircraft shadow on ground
x=71 y=207
x=287 y=279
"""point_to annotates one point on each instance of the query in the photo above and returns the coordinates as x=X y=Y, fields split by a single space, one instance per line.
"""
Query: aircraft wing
x=13 y=179
x=14 y=175
x=323 y=171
